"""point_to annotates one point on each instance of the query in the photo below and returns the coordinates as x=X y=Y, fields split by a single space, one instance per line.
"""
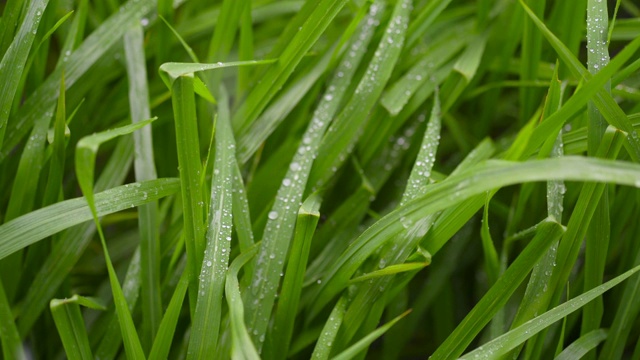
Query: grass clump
x=332 y=179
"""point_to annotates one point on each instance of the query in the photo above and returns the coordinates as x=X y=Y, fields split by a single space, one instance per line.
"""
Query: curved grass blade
x=208 y=312
x=86 y=151
x=40 y=224
x=517 y=336
x=579 y=348
x=282 y=217
x=73 y=242
x=70 y=325
x=14 y=60
x=242 y=347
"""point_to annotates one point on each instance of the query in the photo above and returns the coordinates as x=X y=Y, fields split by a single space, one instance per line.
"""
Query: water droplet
x=273 y=215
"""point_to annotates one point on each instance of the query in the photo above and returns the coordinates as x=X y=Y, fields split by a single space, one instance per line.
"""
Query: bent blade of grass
x=92 y=48
x=86 y=152
x=242 y=348
x=40 y=224
x=70 y=324
x=474 y=181
x=282 y=217
x=112 y=340
x=548 y=232
x=344 y=131
x=184 y=110
x=145 y=169
x=206 y=323
x=279 y=339
x=14 y=60
x=507 y=342
x=364 y=343
x=303 y=38
x=579 y=348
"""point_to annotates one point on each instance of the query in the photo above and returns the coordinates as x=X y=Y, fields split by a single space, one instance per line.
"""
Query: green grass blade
x=329 y=332
x=59 y=263
x=93 y=48
x=162 y=343
x=144 y=168
x=448 y=193
x=342 y=135
x=289 y=298
x=275 y=77
x=14 y=60
x=206 y=324
x=56 y=165
x=86 y=151
x=281 y=218
x=242 y=346
x=362 y=344
x=42 y=223
x=184 y=109
x=548 y=232
x=9 y=336
x=513 y=338
x=579 y=348
x=620 y=329
x=70 y=324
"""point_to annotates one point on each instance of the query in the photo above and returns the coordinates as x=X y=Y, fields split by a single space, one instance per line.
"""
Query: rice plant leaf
x=15 y=59
x=363 y=343
x=242 y=347
x=282 y=331
x=583 y=345
x=282 y=216
x=93 y=48
x=70 y=325
x=503 y=344
x=206 y=325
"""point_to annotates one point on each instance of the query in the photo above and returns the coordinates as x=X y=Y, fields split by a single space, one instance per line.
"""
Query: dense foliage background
x=384 y=179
